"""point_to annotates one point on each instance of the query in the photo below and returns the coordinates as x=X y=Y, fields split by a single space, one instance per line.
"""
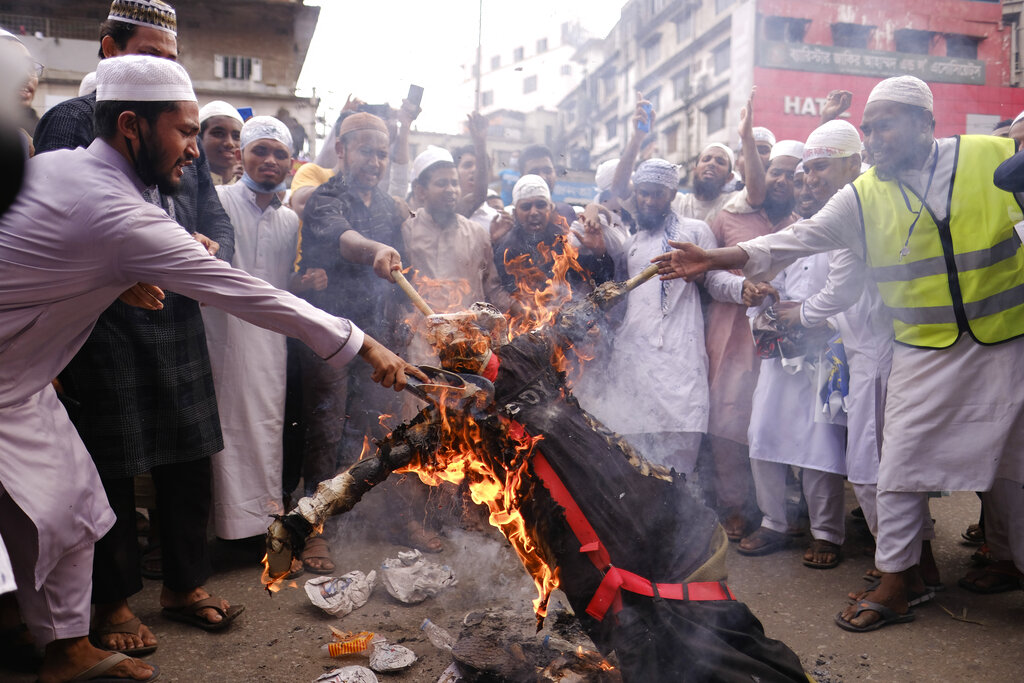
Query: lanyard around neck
x=905 y=251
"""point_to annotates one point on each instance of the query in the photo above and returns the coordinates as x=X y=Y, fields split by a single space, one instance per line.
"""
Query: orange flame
x=273 y=585
x=460 y=456
x=538 y=298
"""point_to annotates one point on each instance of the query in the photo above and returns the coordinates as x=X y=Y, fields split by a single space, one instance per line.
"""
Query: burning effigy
x=641 y=561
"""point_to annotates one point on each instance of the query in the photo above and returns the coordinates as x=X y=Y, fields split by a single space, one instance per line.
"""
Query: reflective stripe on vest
x=962 y=274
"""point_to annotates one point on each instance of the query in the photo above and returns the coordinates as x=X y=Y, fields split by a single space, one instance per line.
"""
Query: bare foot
x=169 y=598
x=114 y=614
x=64 y=659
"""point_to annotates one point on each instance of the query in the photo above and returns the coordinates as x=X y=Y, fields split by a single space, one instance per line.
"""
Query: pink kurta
x=732 y=363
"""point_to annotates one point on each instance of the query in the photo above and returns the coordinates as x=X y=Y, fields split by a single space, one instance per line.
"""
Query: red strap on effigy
x=607 y=595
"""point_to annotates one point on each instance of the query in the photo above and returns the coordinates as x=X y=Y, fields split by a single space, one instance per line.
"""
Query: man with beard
x=733 y=362
x=353 y=230
x=958 y=331
x=712 y=169
x=64 y=257
x=249 y=362
x=535 y=231
x=656 y=391
x=140 y=390
x=538 y=160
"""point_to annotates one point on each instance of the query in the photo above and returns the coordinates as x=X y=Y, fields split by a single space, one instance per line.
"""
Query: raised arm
x=477 y=125
x=755 y=171
x=623 y=172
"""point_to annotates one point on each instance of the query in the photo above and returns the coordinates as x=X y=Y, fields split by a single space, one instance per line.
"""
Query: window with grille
x=238 y=68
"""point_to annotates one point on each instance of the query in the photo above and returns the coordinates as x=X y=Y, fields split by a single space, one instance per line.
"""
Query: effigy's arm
x=288 y=533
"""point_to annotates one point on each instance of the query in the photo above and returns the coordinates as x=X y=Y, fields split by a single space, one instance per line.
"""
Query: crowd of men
x=898 y=248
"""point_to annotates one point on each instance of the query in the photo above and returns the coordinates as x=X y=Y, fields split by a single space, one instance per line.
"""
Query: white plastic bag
x=342 y=594
x=412 y=579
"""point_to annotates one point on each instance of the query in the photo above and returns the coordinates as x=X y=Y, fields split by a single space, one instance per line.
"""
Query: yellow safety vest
x=961 y=274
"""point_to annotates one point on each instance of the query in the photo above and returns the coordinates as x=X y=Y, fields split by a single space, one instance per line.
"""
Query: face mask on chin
x=262 y=188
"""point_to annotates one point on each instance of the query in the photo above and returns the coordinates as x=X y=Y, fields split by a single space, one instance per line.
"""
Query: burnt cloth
x=649 y=526
x=141 y=384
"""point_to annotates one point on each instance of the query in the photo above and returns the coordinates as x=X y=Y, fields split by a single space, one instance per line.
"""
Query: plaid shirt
x=353 y=290
x=141 y=389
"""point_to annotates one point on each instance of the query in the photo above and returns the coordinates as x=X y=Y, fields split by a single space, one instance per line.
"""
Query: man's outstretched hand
x=686 y=261
x=389 y=370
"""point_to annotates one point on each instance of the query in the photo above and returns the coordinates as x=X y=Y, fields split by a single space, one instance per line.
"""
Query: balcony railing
x=75 y=28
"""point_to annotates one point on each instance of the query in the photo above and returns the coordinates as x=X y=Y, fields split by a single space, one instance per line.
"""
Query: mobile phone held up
x=415 y=95
x=645 y=126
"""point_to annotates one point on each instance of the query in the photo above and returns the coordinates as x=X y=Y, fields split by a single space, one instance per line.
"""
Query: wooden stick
x=641 y=277
x=410 y=292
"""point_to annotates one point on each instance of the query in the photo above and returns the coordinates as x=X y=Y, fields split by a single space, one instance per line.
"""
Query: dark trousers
x=183 y=499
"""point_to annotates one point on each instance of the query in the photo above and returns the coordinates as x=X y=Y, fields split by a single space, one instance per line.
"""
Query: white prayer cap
x=605 y=174
x=659 y=172
x=428 y=157
x=218 y=108
x=88 y=84
x=762 y=134
x=787 y=148
x=530 y=186
x=265 y=128
x=835 y=139
x=1017 y=120
x=903 y=89
x=728 y=152
x=4 y=33
x=142 y=78
x=799 y=169
x=152 y=13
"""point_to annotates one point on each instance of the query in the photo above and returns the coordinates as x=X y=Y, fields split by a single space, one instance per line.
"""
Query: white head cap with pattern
x=529 y=187
x=142 y=78
x=265 y=128
x=905 y=90
x=427 y=158
x=835 y=139
x=218 y=108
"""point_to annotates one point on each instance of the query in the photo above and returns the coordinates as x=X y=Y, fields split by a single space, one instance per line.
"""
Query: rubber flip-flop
x=821 y=546
x=1004 y=581
x=189 y=614
x=130 y=627
x=769 y=541
x=887 y=617
x=94 y=674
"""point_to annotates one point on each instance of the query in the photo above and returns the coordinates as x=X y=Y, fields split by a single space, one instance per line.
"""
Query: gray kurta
x=64 y=257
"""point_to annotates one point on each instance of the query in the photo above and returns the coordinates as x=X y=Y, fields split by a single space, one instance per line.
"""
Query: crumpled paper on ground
x=349 y=674
x=411 y=579
x=339 y=595
x=390 y=657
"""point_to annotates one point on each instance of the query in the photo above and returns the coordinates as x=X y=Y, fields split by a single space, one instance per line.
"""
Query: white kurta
x=249 y=365
x=782 y=425
x=953 y=417
x=79 y=234
x=658 y=369
x=866 y=329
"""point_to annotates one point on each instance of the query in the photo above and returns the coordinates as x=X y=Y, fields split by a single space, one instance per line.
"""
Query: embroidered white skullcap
x=142 y=78
x=529 y=187
x=605 y=174
x=835 y=139
x=265 y=128
x=657 y=171
x=88 y=84
x=903 y=89
x=787 y=148
x=153 y=13
x=725 y=148
x=762 y=134
x=428 y=157
x=218 y=108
